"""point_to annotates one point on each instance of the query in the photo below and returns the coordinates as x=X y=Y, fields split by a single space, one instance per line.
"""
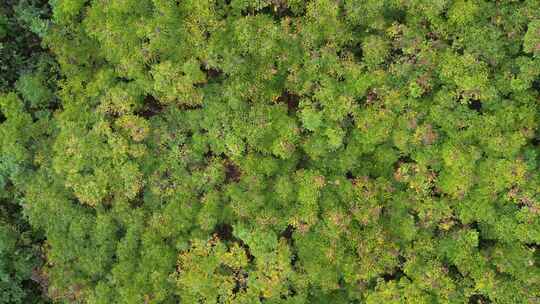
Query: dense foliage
x=282 y=151
x=26 y=69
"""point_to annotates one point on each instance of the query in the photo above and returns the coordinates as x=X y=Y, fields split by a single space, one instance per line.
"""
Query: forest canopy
x=269 y=151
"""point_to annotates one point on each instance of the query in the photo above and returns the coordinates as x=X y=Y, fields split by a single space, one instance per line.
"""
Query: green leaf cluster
x=282 y=151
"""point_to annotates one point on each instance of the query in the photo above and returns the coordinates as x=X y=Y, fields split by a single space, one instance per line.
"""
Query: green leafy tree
x=279 y=151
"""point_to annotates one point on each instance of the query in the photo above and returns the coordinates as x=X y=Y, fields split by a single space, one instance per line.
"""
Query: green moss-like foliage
x=280 y=151
x=27 y=83
x=20 y=278
x=22 y=24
